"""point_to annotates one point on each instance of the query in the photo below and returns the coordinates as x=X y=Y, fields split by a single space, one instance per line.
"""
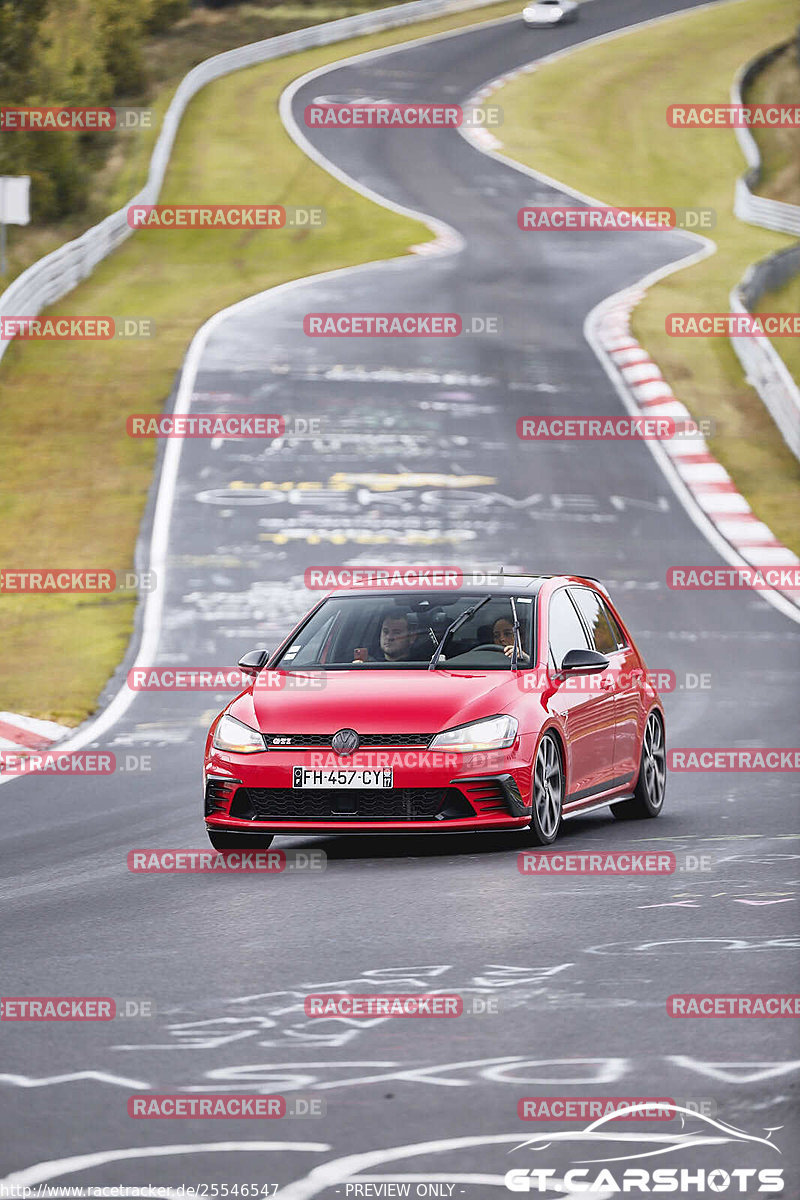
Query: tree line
x=73 y=53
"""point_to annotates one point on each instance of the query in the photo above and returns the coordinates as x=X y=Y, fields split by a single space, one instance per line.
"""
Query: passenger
x=503 y=635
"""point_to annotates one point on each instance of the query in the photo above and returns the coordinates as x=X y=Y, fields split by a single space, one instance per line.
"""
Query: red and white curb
x=742 y=537
x=709 y=483
x=18 y=733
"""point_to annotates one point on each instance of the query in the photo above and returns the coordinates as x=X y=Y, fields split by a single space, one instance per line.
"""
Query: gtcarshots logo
x=675 y=1180
x=696 y=1129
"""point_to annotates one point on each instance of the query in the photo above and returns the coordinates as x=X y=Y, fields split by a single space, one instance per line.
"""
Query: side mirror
x=254 y=661
x=584 y=662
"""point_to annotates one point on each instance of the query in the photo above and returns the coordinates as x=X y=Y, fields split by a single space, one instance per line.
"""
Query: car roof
x=509 y=583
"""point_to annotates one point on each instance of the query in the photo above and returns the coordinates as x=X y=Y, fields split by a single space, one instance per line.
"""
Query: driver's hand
x=521 y=656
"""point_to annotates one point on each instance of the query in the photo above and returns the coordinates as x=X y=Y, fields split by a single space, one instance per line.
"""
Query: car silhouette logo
x=345 y=741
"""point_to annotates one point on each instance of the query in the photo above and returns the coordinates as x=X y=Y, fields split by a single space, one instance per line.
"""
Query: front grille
x=280 y=741
x=342 y=804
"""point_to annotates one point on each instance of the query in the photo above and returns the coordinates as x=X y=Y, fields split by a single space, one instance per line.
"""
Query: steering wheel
x=486 y=646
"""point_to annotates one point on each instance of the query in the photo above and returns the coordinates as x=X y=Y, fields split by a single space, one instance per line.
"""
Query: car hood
x=374 y=701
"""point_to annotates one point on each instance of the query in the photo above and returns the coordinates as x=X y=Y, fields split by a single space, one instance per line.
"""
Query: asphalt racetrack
x=418 y=460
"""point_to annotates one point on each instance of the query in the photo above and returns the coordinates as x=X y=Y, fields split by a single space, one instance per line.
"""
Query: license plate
x=342 y=777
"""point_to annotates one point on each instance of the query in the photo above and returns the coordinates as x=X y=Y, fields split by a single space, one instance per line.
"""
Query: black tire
x=240 y=841
x=547 y=792
x=648 y=795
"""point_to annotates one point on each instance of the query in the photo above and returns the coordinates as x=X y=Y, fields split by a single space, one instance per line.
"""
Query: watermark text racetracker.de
x=224 y=1106
x=219 y=679
x=339 y=1005
x=714 y=324
x=733 y=116
x=96 y=328
x=608 y=428
x=64 y=580
x=617 y=862
x=604 y=219
x=155 y=861
x=77 y=762
x=762 y=1004
x=74 y=1008
x=372 y=114
x=733 y=758
x=53 y=118
x=224 y=216
x=735 y=579
x=642 y=679
x=221 y=425
x=399 y=324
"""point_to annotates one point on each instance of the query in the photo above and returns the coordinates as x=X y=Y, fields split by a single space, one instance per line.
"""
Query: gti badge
x=345 y=741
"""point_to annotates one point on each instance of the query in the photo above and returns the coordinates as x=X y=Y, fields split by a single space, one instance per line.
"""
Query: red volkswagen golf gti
x=514 y=707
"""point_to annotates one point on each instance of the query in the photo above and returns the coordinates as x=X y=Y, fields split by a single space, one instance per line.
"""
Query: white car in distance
x=549 y=12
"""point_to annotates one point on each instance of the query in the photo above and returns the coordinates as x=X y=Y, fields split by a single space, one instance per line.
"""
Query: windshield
x=404 y=630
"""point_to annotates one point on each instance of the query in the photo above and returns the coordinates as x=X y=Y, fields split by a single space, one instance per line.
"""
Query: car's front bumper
x=436 y=793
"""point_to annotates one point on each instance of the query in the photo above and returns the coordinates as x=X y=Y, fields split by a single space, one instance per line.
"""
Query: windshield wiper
x=516 y=635
x=452 y=627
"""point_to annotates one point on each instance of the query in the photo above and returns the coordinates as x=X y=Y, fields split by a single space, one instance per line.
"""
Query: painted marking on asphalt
x=28 y=1081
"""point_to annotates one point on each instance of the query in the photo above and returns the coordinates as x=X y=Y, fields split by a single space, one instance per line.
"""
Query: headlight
x=234 y=735
x=495 y=733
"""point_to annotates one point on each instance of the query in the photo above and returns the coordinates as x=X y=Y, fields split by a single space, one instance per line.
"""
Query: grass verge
x=74 y=485
x=596 y=120
x=780 y=176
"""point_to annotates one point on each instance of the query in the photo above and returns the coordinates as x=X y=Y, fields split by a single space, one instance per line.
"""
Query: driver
x=503 y=635
x=395 y=639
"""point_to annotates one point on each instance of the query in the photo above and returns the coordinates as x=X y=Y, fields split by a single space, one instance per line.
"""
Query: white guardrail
x=53 y=276
x=763 y=366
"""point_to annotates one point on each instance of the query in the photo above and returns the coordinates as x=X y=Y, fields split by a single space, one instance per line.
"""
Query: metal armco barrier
x=762 y=364
x=52 y=277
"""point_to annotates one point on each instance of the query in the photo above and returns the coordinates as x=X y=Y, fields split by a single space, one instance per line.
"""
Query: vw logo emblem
x=345 y=741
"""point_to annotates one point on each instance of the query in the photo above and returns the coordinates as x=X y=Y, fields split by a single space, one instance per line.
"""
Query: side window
x=593 y=612
x=615 y=627
x=565 y=631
